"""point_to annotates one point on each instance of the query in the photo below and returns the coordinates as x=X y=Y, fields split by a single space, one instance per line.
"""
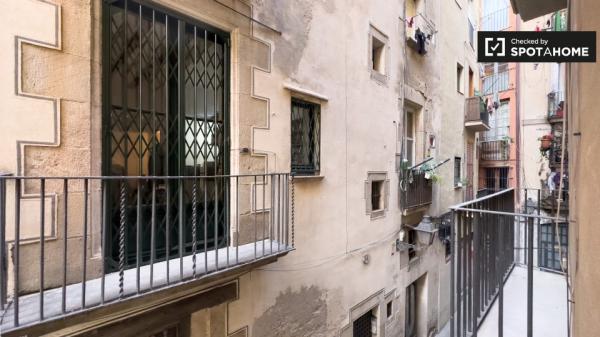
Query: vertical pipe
x=42 y=241
x=140 y=157
x=65 y=234
x=16 y=250
x=85 y=234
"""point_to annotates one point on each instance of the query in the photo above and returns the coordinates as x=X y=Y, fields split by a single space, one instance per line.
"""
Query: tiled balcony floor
x=549 y=307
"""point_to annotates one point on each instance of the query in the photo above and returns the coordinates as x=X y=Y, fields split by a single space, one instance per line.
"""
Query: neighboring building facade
x=499 y=147
x=260 y=162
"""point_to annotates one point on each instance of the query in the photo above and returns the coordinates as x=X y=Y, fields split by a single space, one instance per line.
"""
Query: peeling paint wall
x=301 y=313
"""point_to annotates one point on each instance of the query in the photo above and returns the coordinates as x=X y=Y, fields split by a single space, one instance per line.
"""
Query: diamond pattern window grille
x=165 y=114
x=306 y=137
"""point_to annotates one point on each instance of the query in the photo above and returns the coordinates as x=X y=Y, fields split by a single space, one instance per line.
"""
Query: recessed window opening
x=389 y=308
x=459 y=78
x=378 y=55
x=377 y=195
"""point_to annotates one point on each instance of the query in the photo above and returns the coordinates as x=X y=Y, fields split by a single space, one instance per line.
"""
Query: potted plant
x=546 y=142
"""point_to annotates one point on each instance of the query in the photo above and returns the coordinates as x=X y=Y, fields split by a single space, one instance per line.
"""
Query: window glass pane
x=409 y=125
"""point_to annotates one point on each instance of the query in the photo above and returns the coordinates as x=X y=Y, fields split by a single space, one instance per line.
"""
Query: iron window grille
x=306 y=137
x=165 y=113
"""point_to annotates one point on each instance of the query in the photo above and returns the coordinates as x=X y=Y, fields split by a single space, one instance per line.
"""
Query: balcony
x=496 y=82
x=500 y=283
x=530 y=9
x=476 y=116
x=552 y=200
x=128 y=237
x=415 y=191
x=494 y=150
x=555 y=106
x=418 y=32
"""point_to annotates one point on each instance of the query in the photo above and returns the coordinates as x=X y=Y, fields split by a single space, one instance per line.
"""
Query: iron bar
x=16 y=251
x=530 y=277
x=3 y=255
x=42 y=239
x=104 y=192
x=85 y=235
x=152 y=234
x=65 y=239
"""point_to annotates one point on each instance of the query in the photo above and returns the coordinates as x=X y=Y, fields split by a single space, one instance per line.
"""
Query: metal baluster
x=264 y=214
x=122 y=222
x=3 y=270
x=194 y=224
x=153 y=231
x=16 y=250
x=293 y=205
x=138 y=235
x=237 y=218
x=42 y=241
x=85 y=234
x=65 y=234
x=255 y=222
x=104 y=190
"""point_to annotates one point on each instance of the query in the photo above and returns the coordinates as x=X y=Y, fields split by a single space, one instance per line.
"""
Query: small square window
x=378 y=55
x=377 y=195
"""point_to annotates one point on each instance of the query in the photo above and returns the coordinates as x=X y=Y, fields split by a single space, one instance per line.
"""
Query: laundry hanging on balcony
x=421 y=39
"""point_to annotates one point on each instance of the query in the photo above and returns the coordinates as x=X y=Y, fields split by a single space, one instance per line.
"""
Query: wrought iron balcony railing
x=494 y=149
x=489 y=239
x=69 y=244
x=415 y=190
x=476 y=116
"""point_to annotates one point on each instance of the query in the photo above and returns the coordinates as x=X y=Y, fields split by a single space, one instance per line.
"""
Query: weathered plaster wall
x=582 y=103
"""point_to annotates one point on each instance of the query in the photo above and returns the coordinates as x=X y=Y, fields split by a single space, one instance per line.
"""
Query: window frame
x=382 y=74
x=379 y=177
x=314 y=135
x=457 y=171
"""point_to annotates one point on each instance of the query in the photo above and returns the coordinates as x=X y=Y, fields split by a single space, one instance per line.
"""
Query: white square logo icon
x=495 y=46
